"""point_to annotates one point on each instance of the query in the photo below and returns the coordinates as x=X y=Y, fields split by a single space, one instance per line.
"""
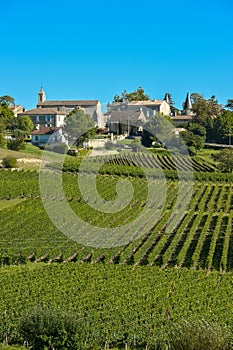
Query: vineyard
x=202 y=239
x=115 y=305
x=124 y=296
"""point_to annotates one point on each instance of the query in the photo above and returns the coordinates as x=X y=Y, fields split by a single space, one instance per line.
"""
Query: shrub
x=16 y=144
x=198 y=335
x=49 y=329
x=9 y=162
x=2 y=141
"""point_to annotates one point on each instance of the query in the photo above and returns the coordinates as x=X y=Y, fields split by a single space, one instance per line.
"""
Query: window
x=48 y=118
x=37 y=118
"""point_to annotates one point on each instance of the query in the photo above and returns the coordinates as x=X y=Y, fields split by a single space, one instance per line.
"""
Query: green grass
x=32 y=150
x=27 y=153
x=4 y=203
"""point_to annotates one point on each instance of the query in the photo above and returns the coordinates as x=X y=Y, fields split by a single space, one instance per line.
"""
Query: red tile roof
x=44 y=130
x=43 y=111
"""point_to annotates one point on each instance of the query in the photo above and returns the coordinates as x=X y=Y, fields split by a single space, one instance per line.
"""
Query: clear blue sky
x=95 y=49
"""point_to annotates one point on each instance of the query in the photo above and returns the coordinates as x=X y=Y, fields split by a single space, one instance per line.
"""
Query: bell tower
x=41 y=96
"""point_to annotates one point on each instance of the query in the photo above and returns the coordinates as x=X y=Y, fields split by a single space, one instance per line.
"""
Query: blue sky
x=96 y=49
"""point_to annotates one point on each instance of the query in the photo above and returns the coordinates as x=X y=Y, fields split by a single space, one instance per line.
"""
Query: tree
x=79 y=127
x=174 y=110
x=197 y=129
x=7 y=100
x=225 y=159
x=192 y=140
x=157 y=129
x=16 y=143
x=25 y=124
x=229 y=104
x=205 y=110
x=137 y=95
x=223 y=127
x=7 y=117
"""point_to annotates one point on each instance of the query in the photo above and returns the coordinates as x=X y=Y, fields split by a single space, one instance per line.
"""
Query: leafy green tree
x=197 y=129
x=192 y=140
x=223 y=127
x=225 y=159
x=7 y=118
x=157 y=129
x=79 y=127
x=7 y=100
x=194 y=137
x=137 y=95
x=25 y=124
x=204 y=110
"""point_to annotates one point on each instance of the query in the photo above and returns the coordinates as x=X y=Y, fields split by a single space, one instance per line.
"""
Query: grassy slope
x=29 y=152
x=10 y=203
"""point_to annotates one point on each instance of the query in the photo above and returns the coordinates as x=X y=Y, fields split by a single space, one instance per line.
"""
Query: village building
x=52 y=113
x=187 y=115
x=17 y=109
x=91 y=107
x=47 y=117
x=47 y=135
x=128 y=122
x=148 y=107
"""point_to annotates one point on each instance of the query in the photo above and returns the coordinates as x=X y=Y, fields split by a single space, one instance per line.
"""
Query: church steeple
x=187 y=110
x=41 y=96
x=188 y=103
x=167 y=98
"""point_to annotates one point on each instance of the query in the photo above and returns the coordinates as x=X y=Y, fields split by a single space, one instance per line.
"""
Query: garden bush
x=198 y=335
x=9 y=162
x=49 y=329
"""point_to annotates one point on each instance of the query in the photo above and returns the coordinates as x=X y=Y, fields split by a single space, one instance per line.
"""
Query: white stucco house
x=47 y=135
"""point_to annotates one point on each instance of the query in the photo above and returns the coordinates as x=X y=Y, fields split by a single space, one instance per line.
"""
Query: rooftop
x=44 y=130
x=71 y=103
x=43 y=111
x=124 y=115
